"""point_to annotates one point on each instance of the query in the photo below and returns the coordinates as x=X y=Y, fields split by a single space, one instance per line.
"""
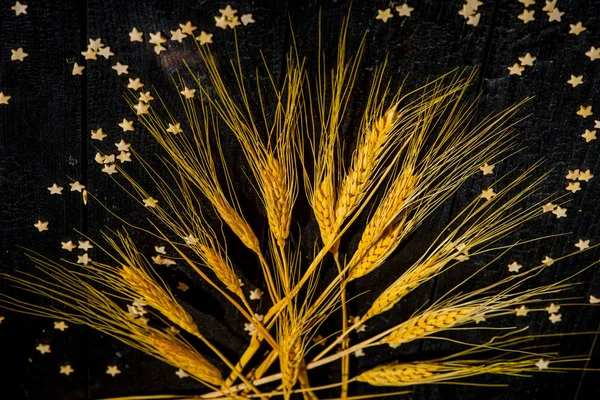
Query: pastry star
x=474 y=19
x=526 y=16
x=145 y=97
x=77 y=69
x=555 y=15
x=589 y=135
x=85 y=245
x=76 y=186
x=555 y=318
x=404 y=10
x=181 y=374
x=95 y=44
x=43 y=348
x=19 y=8
x=573 y=174
x=527 y=3
x=574 y=187
x=560 y=212
x=188 y=93
x=157 y=38
x=178 y=35
x=105 y=52
x=109 y=169
x=126 y=125
x=66 y=370
x=83 y=259
x=160 y=249
x=582 y=244
x=150 y=202
x=61 y=326
x=487 y=194
x=141 y=108
x=516 y=69
x=204 y=38
x=552 y=308
x=98 y=134
x=69 y=246
x=542 y=364
x=247 y=19
x=584 y=111
x=18 y=54
x=41 y=225
x=175 y=128
x=550 y=4
x=90 y=54
x=55 y=189
x=593 y=300
x=123 y=145
x=120 y=68
x=487 y=169
x=548 y=261
x=4 y=98
x=221 y=22
x=593 y=53
x=479 y=318
x=384 y=15
x=188 y=28
x=575 y=80
x=527 y=59
x=135 y=35
x=124 y=157
x=112 y=370
x=228 y=12
x=521 y=311
x=548 y=207
x=256 y=294
x=577 y=28
x=585 y=176
x=514 y=267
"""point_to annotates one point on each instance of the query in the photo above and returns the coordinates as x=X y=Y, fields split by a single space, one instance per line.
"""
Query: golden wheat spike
x=323 y=202
x=221 y=267
x=290 y=358
x=277 y=197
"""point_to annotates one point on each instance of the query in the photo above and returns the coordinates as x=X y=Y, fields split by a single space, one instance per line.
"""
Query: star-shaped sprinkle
x=487 y=169
x=548 y=261
x=136 y=36
x=95 y=44
x=141 y=108
x=548 y=207
x=112 y=370
x=55 y=189
x=555 y=15
x=69 y=246
x=204 y=38
x=146 y=97
x=573 y=174
x=150 y=202
x=83 y=259
x=178 y=35
x=474 y=19
x=514 y=267
x=19 y=8
x=188 y=28
x=90 y=54
x=135 y=84
x=159 y=48
x=221 y=22
x=60 y=325
x=550 y=5
x=384 y=15
x=160 y=249
x=98 y=134
x=4 y=98
x=594 y=300
x=552 y=308
x=66 y=369
x=157 y=38
x=487 y=194
x=188 y=93
x=109 y=169
x=404 y=10
x=174 y=128
x=120 y=68
x=542 y=364
x=77 y=69
x=76 y=186
x=126 y=125
x=589 y=135
x=182 y=286
x=560 y=212
x=575 y=80
x=181 y=374
x=574 y=187
x=516 y=69
x=466 y=11
x=526 y=16
x=43 y=348
x=577 y=28
x=256 y=294
x=18 y=54
x=585 y=175
x=479 y=318
x=356 y=321
x=85 y=245
x=555 y=318
x=247 y=19
x=593 y=53
x=124 y=156
x=228 y=12
x=527 y=60
x=582 y=244
x=123 y=145
x=41 y=225
x=584 y=111
x=527 y=3
x=359 y=353
x=521 y=311
x=105 y=52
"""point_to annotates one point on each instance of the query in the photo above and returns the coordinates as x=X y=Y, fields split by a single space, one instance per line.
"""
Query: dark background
x=44 y=138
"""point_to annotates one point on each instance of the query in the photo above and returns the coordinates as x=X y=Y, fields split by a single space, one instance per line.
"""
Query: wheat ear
x=323 y=204
x=234 y=220
x=290 y=358
x=221 y=267
x=398 y=374
x=277 y=197
x=156 y=297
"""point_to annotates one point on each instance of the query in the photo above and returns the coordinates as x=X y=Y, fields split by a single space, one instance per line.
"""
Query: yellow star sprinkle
x=112 y=370
x=574 y=187
x=77 y=69
x=555 y=15
x=526 y=16
x=43 y=348
x=527 y=3
x=188 y=28
x=527 y=59
x=228 y=12
x=487 y=169
x=66 y=370
x=135 y=35
x=61 y=326
x=69 y=246
x=549 y=7
x=560 y=212
x=577 y=28
x=487 y=194
x=404 y=10
x=188 y=93
x=55 y=189
x=575 y=80
x=4 y=98
x=247 y=19
x=589 y=135
x=474 y=19
x=521 y=311
x=585 y=176
x=178 y=35
x=18 y=54
x=573 y=174
x=582 y=244
x=593 y=53
x=126 y=125
x=141 y=108
x=384 y=15
x=90 y=54
x=19 y=8
x=146 y=97
x=76 y=186
x=98 y=134
x=120 y=68
x=150 y=202
x=157 y=38
x=516 y=69
x=548 y=207
x=105 y=52
x=41 y=225
x=204 y=38
x=175 y=128
x=585 y=111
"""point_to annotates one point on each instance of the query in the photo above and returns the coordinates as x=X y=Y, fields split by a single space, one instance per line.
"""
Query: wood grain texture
x=45 y=137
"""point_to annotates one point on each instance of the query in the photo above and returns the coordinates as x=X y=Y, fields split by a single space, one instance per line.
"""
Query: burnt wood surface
x=45 y=138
